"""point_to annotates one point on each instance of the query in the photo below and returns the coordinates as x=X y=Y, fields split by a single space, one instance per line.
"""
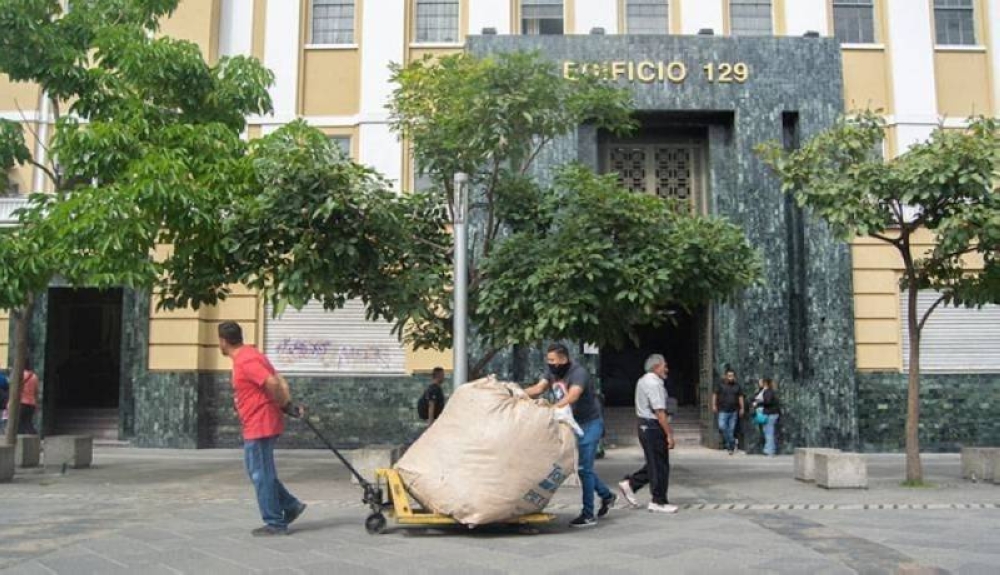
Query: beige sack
x=494 y=454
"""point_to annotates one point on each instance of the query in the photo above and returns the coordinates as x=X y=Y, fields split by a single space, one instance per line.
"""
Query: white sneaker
x=627 y=493
x=662 y=508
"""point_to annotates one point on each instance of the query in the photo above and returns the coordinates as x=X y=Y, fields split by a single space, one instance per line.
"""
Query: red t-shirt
x=29 y=388
x=259 y=414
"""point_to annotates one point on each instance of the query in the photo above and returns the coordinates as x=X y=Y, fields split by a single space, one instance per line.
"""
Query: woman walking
x=766 y=402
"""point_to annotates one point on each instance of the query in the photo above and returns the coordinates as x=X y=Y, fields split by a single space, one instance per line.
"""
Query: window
x=316 y=341
x=954 y=339
x=541 y=17
x=647 y=17
x=437 y=21
x=955 y=22
x=750 y=17
x=333 y=22
x=344 y=143
x=854 y=21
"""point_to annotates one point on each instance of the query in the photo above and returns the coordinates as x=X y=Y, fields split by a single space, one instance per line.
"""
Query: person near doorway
x=728 y=405
x=29 y=402
x=432 y=401
x=571 y=385
x=655 y=436
x=261 y=396
x=4 y=394
x=766 y=401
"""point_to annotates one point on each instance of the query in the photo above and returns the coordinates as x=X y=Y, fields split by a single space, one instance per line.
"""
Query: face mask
x=559 y=371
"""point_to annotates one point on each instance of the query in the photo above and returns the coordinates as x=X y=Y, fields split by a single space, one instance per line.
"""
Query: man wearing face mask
x=571 y=385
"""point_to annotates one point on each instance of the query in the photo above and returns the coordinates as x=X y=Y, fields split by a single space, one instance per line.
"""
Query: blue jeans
x=272 y=497
x=770 y=446
x=589 y=481
x=727 y=425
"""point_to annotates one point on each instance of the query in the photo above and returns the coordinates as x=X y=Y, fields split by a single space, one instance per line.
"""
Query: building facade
x=711 y=79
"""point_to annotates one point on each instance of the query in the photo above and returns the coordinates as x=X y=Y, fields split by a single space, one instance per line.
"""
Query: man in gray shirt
x=655 y=436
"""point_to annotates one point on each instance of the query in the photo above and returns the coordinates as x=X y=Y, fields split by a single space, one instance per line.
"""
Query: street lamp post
x=461 y=314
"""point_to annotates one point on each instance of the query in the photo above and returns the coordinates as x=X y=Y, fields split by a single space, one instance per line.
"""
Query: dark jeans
x=272 y=497
x=656 y=471
x=26 y=423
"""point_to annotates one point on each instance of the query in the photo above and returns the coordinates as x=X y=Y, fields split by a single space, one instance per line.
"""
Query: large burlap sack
x=494 y=454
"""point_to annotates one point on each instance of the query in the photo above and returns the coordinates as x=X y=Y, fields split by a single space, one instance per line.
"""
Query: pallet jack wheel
x=375 y=524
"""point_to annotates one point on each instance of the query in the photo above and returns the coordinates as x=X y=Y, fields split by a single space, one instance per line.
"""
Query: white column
x=281 y=55
x=382 y=33
x=236 y=28
x=911 y=58
x=489 y=14
x=592 y=14
x=698 y=14
x=993 y=21
x=803 y=16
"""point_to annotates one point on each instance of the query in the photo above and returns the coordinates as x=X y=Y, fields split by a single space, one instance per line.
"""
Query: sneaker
x=583 y=521
x=626 y=488
x=292 y=515
x=268 y=531
x=730 y=452
x=662 y=508
x=607 y=505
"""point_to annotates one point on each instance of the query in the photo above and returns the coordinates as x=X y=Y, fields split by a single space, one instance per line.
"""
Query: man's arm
x=572 y=395
x=537 y=389
x=715 y=402
x=277 y=389
x=741 y=405
x=661 y=416
x=431 y=411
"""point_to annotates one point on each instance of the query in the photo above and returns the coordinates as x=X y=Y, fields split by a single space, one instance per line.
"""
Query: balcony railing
x=7 y=208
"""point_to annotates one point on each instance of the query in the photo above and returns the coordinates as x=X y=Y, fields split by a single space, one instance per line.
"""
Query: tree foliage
x=553 y=257
x=946 y=185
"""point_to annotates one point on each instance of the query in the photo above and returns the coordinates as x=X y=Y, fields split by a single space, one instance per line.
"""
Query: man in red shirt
x=261 y=397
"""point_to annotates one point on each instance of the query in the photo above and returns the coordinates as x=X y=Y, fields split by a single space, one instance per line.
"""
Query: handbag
x=759 y=417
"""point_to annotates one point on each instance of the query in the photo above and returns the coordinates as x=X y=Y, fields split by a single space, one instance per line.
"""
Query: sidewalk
x=172 y=511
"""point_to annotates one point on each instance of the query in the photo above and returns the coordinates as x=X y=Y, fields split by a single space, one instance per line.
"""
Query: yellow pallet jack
x=388 y=497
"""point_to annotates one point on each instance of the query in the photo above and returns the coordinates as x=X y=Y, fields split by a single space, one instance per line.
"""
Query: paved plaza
x=170 y=511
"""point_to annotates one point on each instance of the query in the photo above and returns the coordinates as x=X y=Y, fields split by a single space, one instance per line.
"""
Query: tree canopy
x=559 y=253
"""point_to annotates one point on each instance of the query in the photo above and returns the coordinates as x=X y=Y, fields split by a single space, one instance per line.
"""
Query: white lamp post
x=461 y=314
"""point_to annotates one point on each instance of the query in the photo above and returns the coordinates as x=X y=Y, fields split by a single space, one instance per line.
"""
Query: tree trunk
x=914 y=469
x=22 y=326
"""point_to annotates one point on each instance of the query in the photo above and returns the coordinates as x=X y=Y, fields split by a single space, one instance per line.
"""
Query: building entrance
x=83 y=361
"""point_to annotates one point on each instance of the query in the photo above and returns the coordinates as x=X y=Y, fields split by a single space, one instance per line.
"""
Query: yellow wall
x=186 y=340
x=963 y=83
x=331 y=82
x=866 y=80
x=17 y=95
x=197 y=21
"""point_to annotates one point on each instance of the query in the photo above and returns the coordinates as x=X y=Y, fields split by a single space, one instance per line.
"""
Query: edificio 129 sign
x=649 y=72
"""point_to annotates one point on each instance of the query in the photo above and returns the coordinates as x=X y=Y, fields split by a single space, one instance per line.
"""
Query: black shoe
x=294 y=513
x=583 y=521
x=268 y=531
x=606 y=505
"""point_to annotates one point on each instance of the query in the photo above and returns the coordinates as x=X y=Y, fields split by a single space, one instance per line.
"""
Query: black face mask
x=559 y=371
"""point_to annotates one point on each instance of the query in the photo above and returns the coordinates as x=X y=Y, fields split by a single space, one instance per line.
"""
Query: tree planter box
x=76 y=451
x=6 y=463
x=805 y=461
x=841 y=471
x=979 y=463
x=28 y=451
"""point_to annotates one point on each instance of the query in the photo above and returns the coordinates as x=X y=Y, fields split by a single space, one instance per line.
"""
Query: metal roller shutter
x=954 y=339
x=316 y=341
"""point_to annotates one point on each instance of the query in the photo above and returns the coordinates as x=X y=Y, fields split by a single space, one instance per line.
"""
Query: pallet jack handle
x=361 y=480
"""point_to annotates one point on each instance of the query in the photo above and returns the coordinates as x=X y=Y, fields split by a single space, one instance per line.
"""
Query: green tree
x=944 y=185
x=149 y=153
x=577 y=257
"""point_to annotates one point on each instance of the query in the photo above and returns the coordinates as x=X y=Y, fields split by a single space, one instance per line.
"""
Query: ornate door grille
x=670 y=171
